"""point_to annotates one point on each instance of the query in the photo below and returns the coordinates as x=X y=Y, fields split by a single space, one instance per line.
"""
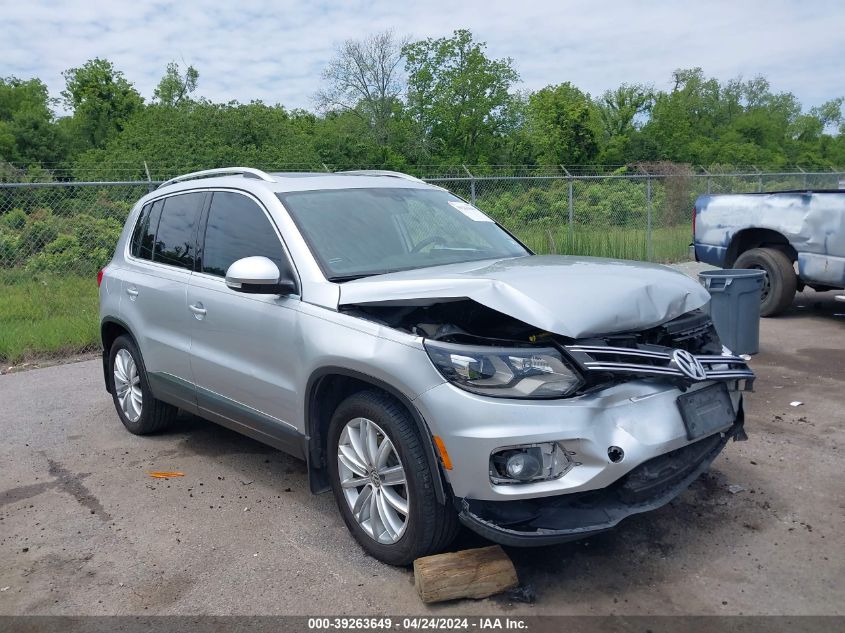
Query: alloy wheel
x=373 y=480
x=127 y=385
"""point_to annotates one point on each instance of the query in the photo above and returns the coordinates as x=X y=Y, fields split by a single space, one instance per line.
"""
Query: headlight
x=505 y=372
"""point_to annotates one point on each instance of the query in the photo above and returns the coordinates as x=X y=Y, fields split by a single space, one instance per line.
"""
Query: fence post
x=149 y=180
x=759 y=179
x=798 y=167
x=571 y=208
x=471 y=185
x=649 y=246
x=709 y=180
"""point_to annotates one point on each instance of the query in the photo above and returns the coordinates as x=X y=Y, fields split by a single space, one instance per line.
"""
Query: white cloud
x=274 y=51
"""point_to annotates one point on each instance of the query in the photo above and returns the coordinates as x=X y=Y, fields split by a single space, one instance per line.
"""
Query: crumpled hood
x=570 y=296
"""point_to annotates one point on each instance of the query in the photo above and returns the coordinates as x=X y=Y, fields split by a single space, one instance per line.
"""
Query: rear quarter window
x=143 y=218
x=144 y=236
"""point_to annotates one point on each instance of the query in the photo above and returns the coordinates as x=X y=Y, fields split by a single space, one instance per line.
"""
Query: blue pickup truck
x=797 y=237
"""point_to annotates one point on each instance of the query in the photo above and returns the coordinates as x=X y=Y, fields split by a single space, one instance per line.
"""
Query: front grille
x=662 y=351
x=656 y=362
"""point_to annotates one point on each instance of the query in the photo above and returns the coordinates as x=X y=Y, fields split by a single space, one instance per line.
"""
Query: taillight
x=693 y=224
x=100 y=276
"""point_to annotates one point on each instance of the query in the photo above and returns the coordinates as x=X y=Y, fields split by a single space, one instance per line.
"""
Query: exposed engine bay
x=652 y=352
x=468 y=322
x=461 y=321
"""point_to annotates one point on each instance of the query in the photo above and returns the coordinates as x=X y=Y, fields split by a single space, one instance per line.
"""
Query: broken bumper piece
x=550 y=520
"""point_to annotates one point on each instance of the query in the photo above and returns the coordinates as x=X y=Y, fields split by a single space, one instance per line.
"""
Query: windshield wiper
x=354 y=276
x=341 y=278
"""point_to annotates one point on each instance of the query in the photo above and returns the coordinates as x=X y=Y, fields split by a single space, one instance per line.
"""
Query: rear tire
x=427 y=527
x=781 y=280
x=126 y=369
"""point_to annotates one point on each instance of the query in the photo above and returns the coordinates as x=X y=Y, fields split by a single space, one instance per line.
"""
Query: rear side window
x=144 y=236
x=176 y=238
x=140 y=228
x=237 y=227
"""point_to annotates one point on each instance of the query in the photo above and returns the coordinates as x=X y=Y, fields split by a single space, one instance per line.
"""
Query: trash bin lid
x=735 y=273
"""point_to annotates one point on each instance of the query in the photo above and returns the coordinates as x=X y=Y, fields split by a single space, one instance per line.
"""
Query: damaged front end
x=561 y=433
x=558 y=519
x=459 y=334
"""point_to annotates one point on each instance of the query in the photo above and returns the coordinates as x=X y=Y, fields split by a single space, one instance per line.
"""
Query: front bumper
x=641 y=417
x=563 y=518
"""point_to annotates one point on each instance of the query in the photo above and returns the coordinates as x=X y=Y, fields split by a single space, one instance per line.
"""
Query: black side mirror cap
x=284 y=287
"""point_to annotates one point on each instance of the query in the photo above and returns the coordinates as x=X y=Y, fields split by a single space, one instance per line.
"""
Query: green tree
x=102 y=100
x=175 y=87
x=175 y=140
x=683 y=121
x=830 y=112
x=458 y=106
x=457 y=95
x=28 y=131
x=621 y=113
x=344 y=140
x=619 y=108
x=560 y=125
x=704 y=122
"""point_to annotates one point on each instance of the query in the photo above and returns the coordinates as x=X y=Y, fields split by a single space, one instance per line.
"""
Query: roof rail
x=247 y=172
x=380 y=172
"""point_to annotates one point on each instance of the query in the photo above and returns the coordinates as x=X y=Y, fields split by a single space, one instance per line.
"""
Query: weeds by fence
x=54 y=236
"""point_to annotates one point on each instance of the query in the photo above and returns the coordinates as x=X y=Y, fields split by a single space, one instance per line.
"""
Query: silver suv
x=425 y=364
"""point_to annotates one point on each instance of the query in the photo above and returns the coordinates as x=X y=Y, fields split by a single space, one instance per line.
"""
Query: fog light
x=522 y=466
x=528 y=463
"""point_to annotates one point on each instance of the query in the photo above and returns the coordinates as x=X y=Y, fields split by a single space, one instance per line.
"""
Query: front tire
x=382 y=482
x=139 y=411
x=781 y=281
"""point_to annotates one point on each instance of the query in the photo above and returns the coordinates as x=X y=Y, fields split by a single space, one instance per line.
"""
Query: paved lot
x=84 y=530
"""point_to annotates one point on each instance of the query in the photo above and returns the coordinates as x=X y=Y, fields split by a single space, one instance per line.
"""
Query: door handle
x=132 y=292
x=198 y=310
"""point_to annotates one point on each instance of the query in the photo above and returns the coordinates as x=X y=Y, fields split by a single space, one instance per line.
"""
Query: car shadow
x=656 y=546
x=640 y=550
x=821 y=305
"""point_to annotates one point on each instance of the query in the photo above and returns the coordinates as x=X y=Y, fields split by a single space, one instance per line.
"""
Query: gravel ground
x=85 y=530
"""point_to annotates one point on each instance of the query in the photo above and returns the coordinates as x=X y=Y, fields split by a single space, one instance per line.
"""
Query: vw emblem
x=689 y=365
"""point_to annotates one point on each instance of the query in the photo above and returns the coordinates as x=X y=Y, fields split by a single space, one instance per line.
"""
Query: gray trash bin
x=735 y=306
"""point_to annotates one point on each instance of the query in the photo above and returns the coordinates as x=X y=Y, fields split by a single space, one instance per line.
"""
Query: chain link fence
x=55 y=236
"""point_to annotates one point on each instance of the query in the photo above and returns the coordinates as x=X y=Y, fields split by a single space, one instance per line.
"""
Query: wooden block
x=473 y=573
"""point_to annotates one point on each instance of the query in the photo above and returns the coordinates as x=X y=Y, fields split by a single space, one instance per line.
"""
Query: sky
x=275 y=50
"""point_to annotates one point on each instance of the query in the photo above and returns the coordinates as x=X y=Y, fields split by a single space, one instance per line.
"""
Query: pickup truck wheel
x=781 y=280
x=381 y=481
x=139 y=411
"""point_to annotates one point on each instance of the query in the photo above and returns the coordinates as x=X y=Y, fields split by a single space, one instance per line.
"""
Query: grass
x=52 y=315
x=46 y=315
x=669 y=244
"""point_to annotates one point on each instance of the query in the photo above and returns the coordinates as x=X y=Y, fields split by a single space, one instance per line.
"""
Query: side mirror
x=258 y=275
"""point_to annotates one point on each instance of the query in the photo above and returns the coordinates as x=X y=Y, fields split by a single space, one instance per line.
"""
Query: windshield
x=360 y=232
